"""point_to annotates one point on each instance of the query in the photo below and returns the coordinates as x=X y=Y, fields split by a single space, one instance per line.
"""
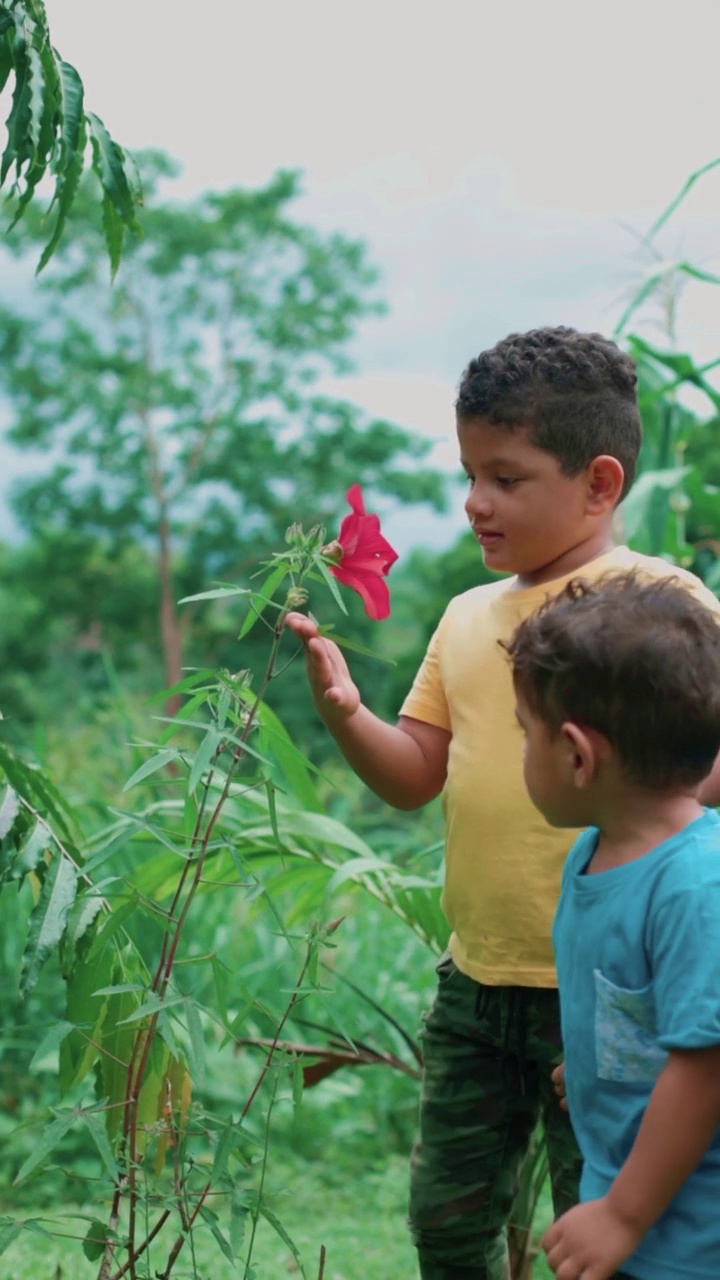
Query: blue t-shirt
x=638 y=957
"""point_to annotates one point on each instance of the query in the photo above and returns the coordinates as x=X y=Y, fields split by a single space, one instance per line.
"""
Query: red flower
x=363 y=557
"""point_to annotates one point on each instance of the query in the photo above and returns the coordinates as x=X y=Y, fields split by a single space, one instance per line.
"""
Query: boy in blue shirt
x=618 y=694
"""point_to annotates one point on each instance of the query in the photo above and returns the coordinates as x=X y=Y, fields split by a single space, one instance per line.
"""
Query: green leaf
x=31 y=854
x=204 y=757
x=224 y=1149
x=73 y=134
x=37 y=92
x=93 y=1245
x=330 y=582
x=212 y=1222
x=114 y=231
x=687 y=186
x=47 y=1142
x=9 y=1231
x=109 y=164
x=196 y=1047
x=84 y=910
x=47 y=920
x=9 y=809
x=151 y=766
x=185 y=685
x=260 y=600
x=17 y=124
x=277 y=1226
x=276 y=743
x=239 y=1214
x=96 y=1125
x=66 y=188
x=51 y=1041
x=636 y=508
x=217 y=593
x=150 y=1007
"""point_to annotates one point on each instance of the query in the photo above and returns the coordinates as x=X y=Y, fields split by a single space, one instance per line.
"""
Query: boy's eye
x=468 y=478
x=506 y=482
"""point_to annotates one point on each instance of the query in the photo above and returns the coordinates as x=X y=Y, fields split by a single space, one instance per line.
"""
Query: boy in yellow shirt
x=549 y=432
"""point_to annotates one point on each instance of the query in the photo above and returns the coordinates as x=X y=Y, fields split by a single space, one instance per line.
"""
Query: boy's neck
x=637 y=821
x=576 y=557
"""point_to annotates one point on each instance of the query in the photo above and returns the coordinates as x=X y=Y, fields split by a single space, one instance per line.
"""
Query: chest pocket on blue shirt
x=625 y=1034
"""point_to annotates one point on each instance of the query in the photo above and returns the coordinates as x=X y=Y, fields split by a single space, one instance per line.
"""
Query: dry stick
x=161 y=980
x=180 y=1241
x=323 y=1256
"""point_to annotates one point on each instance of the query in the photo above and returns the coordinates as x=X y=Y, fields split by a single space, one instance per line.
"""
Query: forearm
x=390 y=761
x=677 y=1129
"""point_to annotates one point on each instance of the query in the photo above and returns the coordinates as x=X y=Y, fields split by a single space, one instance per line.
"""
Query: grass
x=359 y=1216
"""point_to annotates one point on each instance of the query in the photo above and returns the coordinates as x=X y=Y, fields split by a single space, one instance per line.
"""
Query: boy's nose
x=478 y=503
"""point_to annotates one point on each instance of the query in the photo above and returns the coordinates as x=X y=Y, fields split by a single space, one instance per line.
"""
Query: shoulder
x=476 y=599
x=656 y=567
x=693 y=861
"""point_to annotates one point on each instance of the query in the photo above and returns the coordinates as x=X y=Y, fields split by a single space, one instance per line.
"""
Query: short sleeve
x=685 y=945
x=426 y=700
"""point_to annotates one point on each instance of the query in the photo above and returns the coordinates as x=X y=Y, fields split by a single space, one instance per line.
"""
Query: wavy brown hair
x=638 y=660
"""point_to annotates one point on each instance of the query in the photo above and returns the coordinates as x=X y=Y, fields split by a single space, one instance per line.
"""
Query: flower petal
x=354 y=499
x=371 y=588
x=366 y=556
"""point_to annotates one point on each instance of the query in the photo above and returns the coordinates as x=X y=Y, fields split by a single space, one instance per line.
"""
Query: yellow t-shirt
x=503 y=861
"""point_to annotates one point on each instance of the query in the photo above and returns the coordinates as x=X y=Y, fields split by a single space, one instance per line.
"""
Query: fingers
x=301 y=626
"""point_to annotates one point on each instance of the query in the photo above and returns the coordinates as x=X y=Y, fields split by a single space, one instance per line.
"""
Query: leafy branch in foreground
x=135 y=1024
x=48 y=130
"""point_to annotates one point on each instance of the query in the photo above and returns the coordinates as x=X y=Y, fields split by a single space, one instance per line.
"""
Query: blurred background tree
x=182 y=419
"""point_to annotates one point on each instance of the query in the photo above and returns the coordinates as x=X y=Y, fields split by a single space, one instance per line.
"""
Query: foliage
x=48 y=131
x=674 y=506
x=142 y=1001
x=193 y=421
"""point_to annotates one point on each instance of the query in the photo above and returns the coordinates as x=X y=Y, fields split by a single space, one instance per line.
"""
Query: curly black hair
x=575 y=394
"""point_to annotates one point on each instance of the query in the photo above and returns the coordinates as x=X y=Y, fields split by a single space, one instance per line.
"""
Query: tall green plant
x=672 y=495
x=123 y=932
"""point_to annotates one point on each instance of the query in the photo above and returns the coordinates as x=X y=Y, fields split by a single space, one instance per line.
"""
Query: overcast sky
x=497 y=157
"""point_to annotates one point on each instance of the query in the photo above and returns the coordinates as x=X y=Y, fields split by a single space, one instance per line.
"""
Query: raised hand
x=335 y=693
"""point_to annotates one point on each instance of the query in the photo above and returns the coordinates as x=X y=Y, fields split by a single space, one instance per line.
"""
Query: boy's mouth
x=487 y=537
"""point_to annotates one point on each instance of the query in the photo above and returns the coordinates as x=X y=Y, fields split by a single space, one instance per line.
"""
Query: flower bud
x=296 y=597
x=333 y=551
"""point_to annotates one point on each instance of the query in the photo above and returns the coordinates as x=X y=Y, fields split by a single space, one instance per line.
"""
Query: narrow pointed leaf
x=204 y=757
x=9 y=809
x=151 y=766
x=47 y=921
x=96 y=1125
x=47 y=1142
x=260 y=600
x=217 y=593
x=196 y=1048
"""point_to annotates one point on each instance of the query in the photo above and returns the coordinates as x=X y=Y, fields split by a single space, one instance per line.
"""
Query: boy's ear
x=605 y=482
x=583 y=755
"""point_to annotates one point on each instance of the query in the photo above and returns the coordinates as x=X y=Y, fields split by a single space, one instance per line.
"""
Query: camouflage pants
x=489 y=1052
